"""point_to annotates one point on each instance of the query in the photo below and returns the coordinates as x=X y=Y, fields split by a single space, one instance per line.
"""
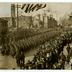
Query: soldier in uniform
x=3 y=49
x=62 y=60
x=68 y=48
x=70 y=57
x=18 y=56
x=7 y=49
x=48 y=58
x=22 y=58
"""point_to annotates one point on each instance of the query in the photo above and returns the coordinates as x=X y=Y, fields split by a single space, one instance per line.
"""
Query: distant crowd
x=51 y=54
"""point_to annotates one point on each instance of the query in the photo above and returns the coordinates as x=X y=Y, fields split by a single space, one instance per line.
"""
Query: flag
x=32 y=7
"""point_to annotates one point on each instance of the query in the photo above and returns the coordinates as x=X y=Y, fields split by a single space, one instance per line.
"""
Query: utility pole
x=17 y=18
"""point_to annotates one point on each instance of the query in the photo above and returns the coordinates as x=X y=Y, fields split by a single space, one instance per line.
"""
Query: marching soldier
x=22 y=58
x=68 y=48
x=18 y=57
x=3 y=49
x=63 y=59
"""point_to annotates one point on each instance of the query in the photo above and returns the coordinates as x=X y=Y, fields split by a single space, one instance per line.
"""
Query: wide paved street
x=7 y=62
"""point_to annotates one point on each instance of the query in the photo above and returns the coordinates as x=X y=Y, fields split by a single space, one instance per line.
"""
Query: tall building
x=13 y=15
x=52 y=23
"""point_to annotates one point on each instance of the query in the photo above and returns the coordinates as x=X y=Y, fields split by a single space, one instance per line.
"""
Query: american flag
x=27 y=8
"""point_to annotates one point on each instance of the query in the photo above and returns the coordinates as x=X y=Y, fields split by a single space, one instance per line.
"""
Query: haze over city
x=59 y=9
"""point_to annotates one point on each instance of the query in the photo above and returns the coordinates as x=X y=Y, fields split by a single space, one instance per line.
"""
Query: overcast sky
x=5 y=9
x=59 y=8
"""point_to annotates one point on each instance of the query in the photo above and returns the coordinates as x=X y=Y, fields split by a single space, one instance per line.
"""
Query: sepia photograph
x=36 y=36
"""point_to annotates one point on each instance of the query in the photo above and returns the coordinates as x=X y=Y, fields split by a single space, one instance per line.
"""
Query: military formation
x=13 y=46
x=49 y=54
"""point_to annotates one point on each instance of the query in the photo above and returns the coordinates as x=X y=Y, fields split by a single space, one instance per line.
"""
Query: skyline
x=60 y=9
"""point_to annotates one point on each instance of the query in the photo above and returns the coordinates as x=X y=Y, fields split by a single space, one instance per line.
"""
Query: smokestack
x=13 y=15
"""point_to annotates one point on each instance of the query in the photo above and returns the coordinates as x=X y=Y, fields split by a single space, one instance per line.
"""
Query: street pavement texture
x=7 y=62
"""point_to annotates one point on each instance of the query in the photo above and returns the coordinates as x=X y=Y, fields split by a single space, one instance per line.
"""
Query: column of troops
x=49 y=54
